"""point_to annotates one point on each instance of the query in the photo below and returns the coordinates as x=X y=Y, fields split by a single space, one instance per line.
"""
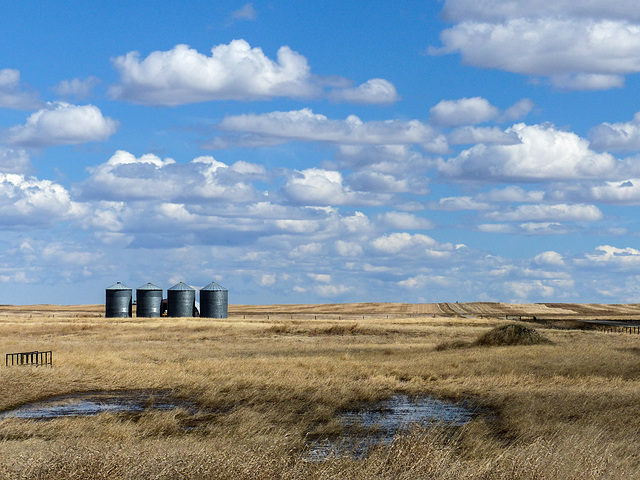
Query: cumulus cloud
x=304 y=125
x=374 y=91
x=465 y=111
x=13 y=94
x=607 y=255
x=617 y=137
x=233 y=72
x=549 y=258
x=76 y=87
x=62 y=124
x=621 y=193
x=29 y=201
x=396 y=243
x=544 y=153
x=527 y=289
x=316 y=186
x=125 y=177
x=591 y=46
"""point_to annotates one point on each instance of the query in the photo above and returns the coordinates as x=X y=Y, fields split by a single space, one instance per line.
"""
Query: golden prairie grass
x=570 y=409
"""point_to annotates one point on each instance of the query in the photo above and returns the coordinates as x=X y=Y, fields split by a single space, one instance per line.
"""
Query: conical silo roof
x=118 y=286
x=213 y=286
x=149 y=286
x=180 y=286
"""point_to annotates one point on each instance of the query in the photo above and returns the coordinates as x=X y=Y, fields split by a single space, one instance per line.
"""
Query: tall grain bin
x=214 y=301
x=182 y=300
x=119 y=301
x=149 y=301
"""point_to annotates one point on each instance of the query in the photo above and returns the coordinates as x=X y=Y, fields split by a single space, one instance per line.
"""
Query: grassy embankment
x=569 y=409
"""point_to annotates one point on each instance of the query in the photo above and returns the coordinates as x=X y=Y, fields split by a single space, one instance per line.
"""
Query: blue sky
x=303 y=152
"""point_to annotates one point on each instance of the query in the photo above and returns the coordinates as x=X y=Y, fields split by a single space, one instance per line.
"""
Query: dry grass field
x=269 y=378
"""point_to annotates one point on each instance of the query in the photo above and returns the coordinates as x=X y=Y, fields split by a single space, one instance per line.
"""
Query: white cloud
x=549 y=258
x=304 y=125
x=374 y=91
x=526 y=289
x=247 y=12
x=391 y=159
x=371 y=181
x=267 y=280
x=13 y=95
x=315 y=186
x=77 y=88
x=348 y=249
x=617 y=137
x=14 y=161
x=125 y=177
x=62 y=124
x=332 y=290
x=29 y=201
x=307 y=250
x=544 y=153
x=233 y=72
x=622 y=193
x=484 y=135
x=465 y=111
x=459 y=203
x=405 y=221
x=492 y=10
x=558 y=213
x=320 y=277
x=518 y=110
x=544 y=228
x=607 y=255
x=396 y=243
x=512 y=193
x=496 y=228
x=584 y=45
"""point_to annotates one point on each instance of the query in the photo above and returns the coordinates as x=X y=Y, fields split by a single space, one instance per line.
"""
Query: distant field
x=486 y=309
x=270 y=378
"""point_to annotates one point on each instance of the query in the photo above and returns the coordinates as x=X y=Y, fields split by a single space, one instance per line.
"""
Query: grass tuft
x=512 y=334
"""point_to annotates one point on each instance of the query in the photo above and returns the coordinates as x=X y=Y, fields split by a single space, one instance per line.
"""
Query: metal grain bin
x=119 y=301
x=182 y=300
x=214 y=301
x=149 y=301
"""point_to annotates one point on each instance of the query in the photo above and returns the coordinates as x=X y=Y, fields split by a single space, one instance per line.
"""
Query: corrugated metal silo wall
x=214 y=303
x=181 y=302
x=118 y=303
x=149 y=303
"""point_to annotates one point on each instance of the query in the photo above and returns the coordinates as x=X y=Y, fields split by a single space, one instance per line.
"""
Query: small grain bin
x=182 y=300
x=119 y=301
x=214 y=301
x=149 y=301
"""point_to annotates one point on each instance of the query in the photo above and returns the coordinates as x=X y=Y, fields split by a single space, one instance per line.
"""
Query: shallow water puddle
x=94 y=403
x=380 y=422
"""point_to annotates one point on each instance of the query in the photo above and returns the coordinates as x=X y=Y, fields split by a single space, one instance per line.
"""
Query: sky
x=321 y=152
